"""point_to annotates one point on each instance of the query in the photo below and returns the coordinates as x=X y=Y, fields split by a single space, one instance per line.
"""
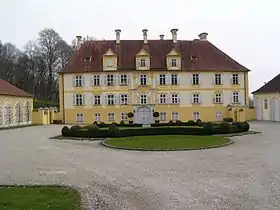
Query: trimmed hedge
x=94 y=131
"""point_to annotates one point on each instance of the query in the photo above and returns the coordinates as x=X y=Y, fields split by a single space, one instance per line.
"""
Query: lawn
x=39 y=198
x=167 y=142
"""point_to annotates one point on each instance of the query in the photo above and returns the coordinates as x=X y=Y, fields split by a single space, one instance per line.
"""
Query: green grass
x=39 y=198
x=167 y=142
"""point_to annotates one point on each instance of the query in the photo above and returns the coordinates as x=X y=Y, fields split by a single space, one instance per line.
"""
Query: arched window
x=28 y=111
x=8 y=114
x=19 y=113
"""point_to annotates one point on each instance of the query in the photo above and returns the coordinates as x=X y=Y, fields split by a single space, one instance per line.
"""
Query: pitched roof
x=208 y=56
x=273 y=86
x=11 y=90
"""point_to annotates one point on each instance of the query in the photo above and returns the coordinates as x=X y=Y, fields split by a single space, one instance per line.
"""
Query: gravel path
x=245 y=175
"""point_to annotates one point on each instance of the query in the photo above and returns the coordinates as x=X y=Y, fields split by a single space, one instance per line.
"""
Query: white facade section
x=267 y=107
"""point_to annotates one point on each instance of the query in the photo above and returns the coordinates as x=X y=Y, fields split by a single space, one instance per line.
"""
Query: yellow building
x=15 y=106
x=182 y=80
x=267 y=100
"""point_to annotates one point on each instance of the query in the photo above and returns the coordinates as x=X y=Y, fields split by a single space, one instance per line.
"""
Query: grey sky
x=247 y=30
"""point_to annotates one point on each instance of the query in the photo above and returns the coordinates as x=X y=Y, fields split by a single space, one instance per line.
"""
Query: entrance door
x=144 y=115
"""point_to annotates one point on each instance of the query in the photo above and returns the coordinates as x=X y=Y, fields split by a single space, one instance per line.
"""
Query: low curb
x=102 y=143
x=76 y=138
x=238 y=134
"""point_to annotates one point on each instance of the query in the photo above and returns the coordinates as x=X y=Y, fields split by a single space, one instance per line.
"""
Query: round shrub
x=208 y=128
x=93 y=130
x=74 y=129
x=225 y=128
x=65 y=131
x=156 y=114
x=101 y=124
x=114 y=123
x=122 y=123
x=190 y=123
x=130 y=114
x=178 y=122
x=113 y=130
x=170 y=122
x=246 y=126
x=198 y=121
x=95 y=123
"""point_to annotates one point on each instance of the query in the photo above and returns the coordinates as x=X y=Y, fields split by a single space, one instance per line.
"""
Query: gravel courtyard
x=245 y=175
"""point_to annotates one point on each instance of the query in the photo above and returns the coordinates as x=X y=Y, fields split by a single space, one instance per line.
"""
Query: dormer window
x=110 y=62
x=193 y=58
x=142 y=62
x=173 y=62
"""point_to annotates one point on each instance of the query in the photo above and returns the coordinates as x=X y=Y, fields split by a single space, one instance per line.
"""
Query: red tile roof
x=208 y=56
x=273 y=86
x=11 y=90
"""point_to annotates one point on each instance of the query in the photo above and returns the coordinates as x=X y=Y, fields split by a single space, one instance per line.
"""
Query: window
x=196 y=116
x=173 y=62
x=218 y=79
x=174 y=79
x=142 y=62
x=97 y=117
x=219 y=116
x=162 y=79
x=175 y=99
x=96 y=80
x=162 y=99
x=124 y=99
x=124 y=79
x=78 y=81
x=235 y=97
x=97 y=100
x=79 y=100
x=110 y=62
x=195 y=79
x=265 y=104
x=162 y=116
x=124 y=116
x=218 y=98
x=143 y=99
x=110 y=99
x=79 y=117
x=235 y=79
x=143 y=79
x=175 y=116
x=196 y=98
x=110 y=80
x=111 y=116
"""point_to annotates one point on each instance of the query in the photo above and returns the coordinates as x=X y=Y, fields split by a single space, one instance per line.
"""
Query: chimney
x=161 y=37
x=203 y=36
x=174 y=35
x=145 y=36
x=118 y=36
x=78 y=42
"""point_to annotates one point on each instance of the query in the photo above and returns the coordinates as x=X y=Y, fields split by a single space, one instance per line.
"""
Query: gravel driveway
x=245 y=175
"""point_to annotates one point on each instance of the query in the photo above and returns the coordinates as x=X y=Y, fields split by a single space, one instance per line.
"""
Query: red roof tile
x=208 y=56
x=11 y=90
x=273 y=86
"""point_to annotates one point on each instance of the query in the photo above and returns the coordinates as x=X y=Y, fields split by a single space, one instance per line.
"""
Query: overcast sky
x=247 y=30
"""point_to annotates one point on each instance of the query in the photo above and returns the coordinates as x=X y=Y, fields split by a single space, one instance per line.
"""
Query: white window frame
x=218 y=79
x=97 y=100
x=79 y=100
x=218 y=98
x=173 y=62
x=196 y=98
x=265 y=104
x=79 y=117
x=143 y=79
x=110 y=62
x=111 y=116
x=174 y=79
x=196 y=115
x=195 y=79
x=97 y=117
x=142 y=62
x=110 y=80
x=175 y=98
x=123 y=80
x=219 y=116
x=110 y=99
x=162 y=79
x=143 y=99
x=235 y=79
x=235 y=98
x=163 y=99
x=79 y=81
x=123 y=99
x=96 y=80
x=175 y=116
x=124 y=116
x=162 y=116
